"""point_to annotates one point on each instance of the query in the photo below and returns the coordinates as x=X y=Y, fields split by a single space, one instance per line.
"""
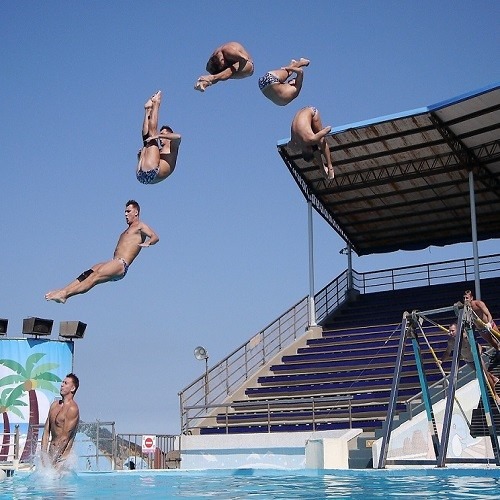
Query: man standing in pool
x=308 y=134
x=158 y=155
x=137 y=236
x=61 y=424
x=229 y=61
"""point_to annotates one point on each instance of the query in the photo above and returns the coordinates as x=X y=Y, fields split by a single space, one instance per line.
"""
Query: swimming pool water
x=258 y=484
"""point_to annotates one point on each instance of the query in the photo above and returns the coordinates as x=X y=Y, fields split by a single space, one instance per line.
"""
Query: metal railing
x=313 y=404
x=451 y=271
x=130 y=455
x=99 y=448
x=100 y=442
x=220 y=381
x=9 y=451
x=98 y=438
x=230 y=373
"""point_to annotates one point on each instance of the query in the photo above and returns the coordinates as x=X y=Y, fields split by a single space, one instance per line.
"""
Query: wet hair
x=134 y=204
x=75 y=381
x=167 y=128
x=307 y=155
x=213 y=65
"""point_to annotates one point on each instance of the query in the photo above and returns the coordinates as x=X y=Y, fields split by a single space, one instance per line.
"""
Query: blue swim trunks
x=125 y=269
x=267 y=79
x=148 y=176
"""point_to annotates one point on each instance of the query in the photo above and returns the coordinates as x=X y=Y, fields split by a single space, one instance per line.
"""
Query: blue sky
x=232 y=223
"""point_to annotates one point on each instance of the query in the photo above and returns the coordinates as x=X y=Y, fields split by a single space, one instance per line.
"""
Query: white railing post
x=312 y=306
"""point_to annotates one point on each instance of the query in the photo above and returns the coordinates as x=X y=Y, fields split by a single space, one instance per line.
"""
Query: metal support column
x=473 y=222
x=426 y=397
x=450 y=395
x=350 y=284
x=311 y=304
x=394 y=395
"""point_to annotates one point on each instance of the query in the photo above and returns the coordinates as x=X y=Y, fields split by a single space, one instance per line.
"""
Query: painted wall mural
x=31 y=371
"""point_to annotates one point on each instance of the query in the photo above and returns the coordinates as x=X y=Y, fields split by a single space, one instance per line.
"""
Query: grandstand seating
x=349 y=370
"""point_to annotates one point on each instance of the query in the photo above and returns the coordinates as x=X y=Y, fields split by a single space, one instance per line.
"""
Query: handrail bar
x=272 y=402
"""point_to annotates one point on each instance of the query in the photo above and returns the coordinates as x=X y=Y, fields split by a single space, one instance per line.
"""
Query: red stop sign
x=148 y=442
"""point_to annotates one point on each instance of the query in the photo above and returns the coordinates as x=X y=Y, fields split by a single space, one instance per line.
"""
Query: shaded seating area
x=343 y=379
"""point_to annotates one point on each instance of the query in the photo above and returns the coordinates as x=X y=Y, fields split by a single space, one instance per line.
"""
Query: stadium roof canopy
x=402 y=181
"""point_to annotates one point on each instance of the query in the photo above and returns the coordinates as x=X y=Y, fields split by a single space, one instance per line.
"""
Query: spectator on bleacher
x=485 y=324
x=466 y=355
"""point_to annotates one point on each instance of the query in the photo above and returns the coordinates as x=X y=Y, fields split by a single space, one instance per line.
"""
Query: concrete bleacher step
x=349 y=365
x=371 y=346
x=368 y=425
x=303 y=416
x=334 y=388
x=436 y=341
x=328 y=366
x=334 y=345
x=362 y=399
x=381 y=332
x=363 y=374
x=343 y=336
x=368 y=353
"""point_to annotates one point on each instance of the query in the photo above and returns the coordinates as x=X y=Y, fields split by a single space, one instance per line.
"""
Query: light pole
x=201 y=353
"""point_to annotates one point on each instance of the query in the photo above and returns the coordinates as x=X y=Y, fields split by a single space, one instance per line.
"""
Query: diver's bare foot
x=56 y=296
x=156 y=97
x=301 y=62
x=202 y=84
x=149 y=104
x=330 y=174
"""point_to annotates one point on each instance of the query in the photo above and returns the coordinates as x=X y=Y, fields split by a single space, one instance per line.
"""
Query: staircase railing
x=223 y=379
x=220 y=381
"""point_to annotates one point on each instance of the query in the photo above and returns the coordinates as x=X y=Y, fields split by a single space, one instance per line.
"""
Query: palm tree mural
x=30 y=378
x=9 y=402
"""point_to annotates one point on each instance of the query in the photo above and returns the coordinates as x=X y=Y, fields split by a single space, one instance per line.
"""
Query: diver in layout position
x=137 y=236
